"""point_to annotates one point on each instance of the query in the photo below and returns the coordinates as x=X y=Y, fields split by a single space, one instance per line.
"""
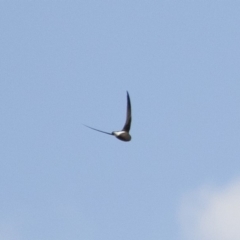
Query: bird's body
x=124 y=133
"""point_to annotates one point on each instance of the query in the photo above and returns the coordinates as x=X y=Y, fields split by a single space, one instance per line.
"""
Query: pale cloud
x=211 y=213
x=11 y=227
x=8 y=232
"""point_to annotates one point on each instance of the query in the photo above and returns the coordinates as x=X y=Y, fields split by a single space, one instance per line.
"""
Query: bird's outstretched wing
x=129 y=115
x=98 y=130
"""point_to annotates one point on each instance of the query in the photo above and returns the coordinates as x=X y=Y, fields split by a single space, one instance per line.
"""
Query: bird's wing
x=98 y=130
x=129 y=115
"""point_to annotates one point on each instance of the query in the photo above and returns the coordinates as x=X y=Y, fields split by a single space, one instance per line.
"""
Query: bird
x=123 y=134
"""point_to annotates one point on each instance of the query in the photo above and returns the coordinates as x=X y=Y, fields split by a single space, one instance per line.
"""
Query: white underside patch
x=118 y=133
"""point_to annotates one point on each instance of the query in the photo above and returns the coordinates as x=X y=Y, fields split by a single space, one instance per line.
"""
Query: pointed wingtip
x=128 y=96
x=98 y=130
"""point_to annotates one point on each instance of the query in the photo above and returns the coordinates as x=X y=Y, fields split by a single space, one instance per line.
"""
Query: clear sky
x=64 y=63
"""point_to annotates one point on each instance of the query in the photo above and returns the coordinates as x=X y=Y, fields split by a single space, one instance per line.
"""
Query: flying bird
x=124 y=133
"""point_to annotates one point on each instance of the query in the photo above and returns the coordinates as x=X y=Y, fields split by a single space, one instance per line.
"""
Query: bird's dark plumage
x=124 y=133
x=129 y=115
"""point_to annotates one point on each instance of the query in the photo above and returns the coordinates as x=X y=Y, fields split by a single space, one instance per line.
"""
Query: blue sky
x=64 y=63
